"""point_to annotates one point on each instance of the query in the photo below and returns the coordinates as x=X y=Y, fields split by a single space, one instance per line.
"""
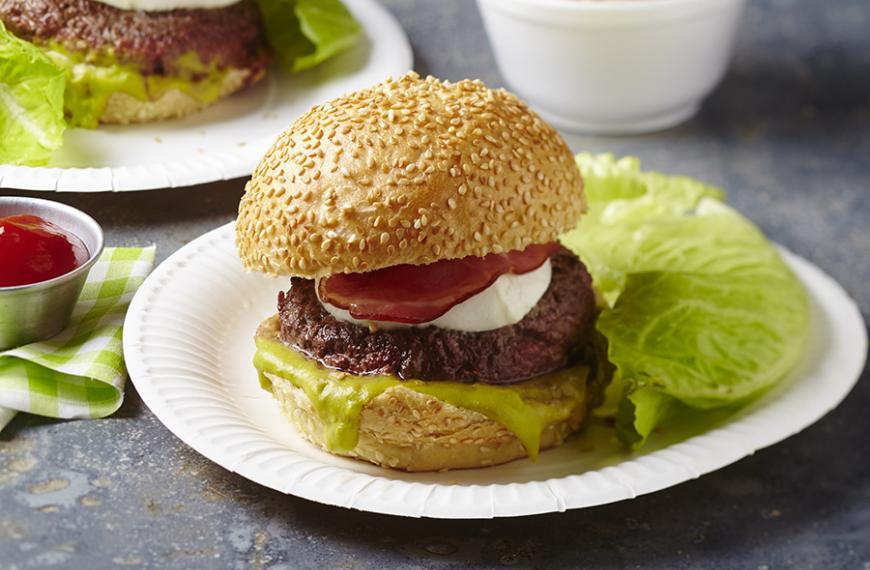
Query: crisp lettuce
x=628 y=217
x=31 y=102
x=704 y=313
x=304 y=33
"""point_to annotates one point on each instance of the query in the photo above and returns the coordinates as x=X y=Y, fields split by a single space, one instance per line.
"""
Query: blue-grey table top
x=787 y=135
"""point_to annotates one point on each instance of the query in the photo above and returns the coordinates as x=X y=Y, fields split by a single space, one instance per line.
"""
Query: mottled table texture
x=787 y=134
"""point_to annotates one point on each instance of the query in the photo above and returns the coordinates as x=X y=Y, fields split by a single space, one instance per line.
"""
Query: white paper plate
x=188 y=344
x=224 y=141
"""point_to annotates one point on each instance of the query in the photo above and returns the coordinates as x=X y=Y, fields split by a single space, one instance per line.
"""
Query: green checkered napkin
x=79 y=373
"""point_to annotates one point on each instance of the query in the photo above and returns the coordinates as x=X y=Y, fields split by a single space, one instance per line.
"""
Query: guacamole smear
x=703 y=312
x=526 y=409
x=92 y=78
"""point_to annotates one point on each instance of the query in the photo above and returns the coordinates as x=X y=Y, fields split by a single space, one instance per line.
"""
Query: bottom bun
x=123 y=108
x=405 y=429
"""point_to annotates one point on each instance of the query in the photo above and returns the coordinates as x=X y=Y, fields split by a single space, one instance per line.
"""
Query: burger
x=144 y=65
x=133 y=61
x=431 y=320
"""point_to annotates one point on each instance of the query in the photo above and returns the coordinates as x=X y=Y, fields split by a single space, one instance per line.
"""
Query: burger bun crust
x=408 y=171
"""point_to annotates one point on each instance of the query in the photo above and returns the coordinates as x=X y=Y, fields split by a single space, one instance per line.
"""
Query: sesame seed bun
x=408 y=171
x=404 y=429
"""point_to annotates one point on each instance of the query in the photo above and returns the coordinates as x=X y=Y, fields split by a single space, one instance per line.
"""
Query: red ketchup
x=33 y=249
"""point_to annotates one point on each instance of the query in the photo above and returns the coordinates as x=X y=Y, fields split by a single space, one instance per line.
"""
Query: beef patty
x=153 y=42
x=557 y=331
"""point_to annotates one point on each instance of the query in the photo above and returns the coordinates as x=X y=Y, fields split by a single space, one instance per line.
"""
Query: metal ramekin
x=41 y=310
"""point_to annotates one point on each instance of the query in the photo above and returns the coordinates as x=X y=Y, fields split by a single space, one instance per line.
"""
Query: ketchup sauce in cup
x=33 y=250
x=46 y=252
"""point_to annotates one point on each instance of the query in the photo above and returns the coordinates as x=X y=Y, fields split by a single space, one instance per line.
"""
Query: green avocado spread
x=526 y=408
x=92 y=78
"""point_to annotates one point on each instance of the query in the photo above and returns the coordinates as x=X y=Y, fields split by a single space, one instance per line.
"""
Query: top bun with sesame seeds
x=409 y=171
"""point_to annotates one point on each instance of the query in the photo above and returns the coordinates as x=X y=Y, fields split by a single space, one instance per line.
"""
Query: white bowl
x=612 y=66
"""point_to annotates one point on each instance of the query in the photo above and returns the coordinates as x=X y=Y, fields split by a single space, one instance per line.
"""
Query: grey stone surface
x=787 y=134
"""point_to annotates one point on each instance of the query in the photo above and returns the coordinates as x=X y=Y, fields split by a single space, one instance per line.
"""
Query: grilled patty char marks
x=153 y=42
x=554 y=333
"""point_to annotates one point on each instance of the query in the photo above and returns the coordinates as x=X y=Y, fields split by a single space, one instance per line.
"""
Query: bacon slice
x=414 y=294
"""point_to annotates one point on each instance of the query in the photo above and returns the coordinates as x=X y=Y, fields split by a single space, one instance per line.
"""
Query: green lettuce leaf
x=704 y=312
x=630 y=214
x=31 y=102
x=304 y=33
x=639 y=412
